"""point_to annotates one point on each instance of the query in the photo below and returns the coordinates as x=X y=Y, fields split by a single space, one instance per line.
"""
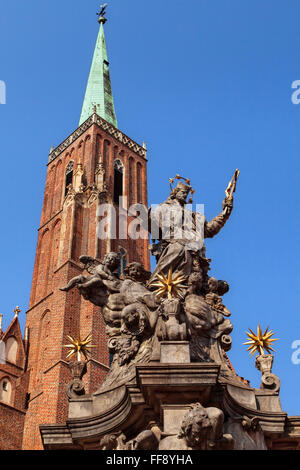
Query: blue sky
x=207 y=84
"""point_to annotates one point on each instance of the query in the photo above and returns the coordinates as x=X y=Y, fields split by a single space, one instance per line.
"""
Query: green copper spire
x=98 y=96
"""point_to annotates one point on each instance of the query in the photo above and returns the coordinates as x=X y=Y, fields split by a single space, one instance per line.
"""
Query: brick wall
x=11 y=426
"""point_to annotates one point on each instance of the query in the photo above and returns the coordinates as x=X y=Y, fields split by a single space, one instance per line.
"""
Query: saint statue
x=180 y=232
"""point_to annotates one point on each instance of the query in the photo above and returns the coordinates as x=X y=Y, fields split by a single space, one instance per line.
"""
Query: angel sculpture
x=215 y=290
x=103 y=276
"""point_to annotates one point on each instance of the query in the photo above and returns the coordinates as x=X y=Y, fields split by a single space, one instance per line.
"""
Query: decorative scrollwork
x=75 y=389
x=270 y=381
x=226 y=342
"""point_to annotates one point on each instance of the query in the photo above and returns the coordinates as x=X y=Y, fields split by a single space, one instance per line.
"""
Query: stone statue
x=136 y=272
x=168 y=333
x=213 y=297
x=177 y=247
x=137 y=318
x=115 y=441
x=93 y=287
x=201 y=429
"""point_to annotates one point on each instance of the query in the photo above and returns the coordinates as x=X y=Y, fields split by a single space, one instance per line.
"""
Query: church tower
x=96 y=164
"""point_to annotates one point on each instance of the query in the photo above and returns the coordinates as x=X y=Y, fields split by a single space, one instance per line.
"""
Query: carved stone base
x=175 y=352
x=167 y=406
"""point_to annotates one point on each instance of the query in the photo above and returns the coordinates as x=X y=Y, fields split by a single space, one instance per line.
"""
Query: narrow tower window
x=69 y=176
x=118 y=180
x=106 y=153
x=139 y=183
x=123 y=261
x=131 y=181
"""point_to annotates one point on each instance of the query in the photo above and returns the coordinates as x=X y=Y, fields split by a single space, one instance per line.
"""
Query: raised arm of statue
x=214 y=226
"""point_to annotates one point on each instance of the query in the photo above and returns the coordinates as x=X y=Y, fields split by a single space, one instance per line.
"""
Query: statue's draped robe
x=182 y=237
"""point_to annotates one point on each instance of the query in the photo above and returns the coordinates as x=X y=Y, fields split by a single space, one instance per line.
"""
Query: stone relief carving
x=201 y=429
x=246 y=433
x=115 y=441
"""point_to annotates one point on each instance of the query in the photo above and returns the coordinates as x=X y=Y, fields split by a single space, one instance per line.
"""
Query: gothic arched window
x=69 y=176
x=118 y=180
x=11 y=346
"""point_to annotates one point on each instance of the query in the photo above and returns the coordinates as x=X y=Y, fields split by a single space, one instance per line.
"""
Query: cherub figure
x=198 y=312
x=195 y=283
x=136 y=272
x=134 y=288
x=105 y=271
x=215 y=290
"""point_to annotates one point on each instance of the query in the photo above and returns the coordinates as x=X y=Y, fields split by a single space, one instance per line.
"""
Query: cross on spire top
x=102 y=13
x=17 y=310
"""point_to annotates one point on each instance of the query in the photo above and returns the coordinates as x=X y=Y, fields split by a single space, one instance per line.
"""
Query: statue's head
x=109 y=442
x=136 y=272
x=112 y=261
x=223 y=287
x=213 y=285
x=134 y=319
x=181 y=192
x=196 y=281
x=196 y=427
x=113 y=441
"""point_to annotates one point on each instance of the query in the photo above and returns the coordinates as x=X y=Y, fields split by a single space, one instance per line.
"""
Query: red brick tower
x=96 y=163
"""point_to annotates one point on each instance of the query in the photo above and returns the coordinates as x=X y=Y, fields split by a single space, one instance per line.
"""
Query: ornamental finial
x=102 y=14
x=79 y=347
x=17 y=310
x=260 y=342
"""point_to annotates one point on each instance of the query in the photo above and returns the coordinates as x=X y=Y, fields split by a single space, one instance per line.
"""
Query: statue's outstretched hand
x=228 y=205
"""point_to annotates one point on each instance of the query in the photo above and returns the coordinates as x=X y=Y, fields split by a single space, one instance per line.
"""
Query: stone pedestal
x=175 y=352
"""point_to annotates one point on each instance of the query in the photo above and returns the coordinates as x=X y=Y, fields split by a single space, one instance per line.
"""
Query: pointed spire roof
x=98 y=96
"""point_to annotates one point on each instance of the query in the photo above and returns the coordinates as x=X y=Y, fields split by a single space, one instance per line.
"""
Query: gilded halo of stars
x=187 y=181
